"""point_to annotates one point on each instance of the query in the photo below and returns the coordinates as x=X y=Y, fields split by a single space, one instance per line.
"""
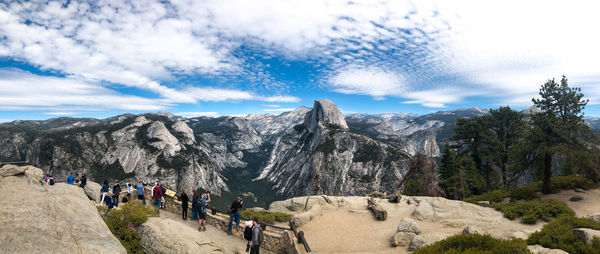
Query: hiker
x=248 y=234
x=109 y=200
x=164 y=191
x=70 y=179
x=129 y=188
x=204 y=200
x=116 y=191
x=195 y=202
x=126 y=198
x=140 y=192
x=184 y=204
x=234 y=212
x=157 y=195
x=83 y=180
x=50 y=180
x=104 y=190
x=257 y=236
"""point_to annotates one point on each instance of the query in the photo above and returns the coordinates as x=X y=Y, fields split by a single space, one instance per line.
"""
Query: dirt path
x=588 y=206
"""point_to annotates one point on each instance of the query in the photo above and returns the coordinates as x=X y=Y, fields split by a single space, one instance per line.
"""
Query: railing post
x=303 y=241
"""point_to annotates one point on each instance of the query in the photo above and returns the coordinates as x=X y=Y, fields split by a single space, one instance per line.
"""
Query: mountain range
x=262 y=157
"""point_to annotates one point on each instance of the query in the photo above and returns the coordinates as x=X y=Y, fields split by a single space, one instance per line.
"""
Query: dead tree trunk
x=378 y=210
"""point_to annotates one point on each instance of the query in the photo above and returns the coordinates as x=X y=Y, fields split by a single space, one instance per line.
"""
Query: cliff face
x=322 y=156
x=298 y=152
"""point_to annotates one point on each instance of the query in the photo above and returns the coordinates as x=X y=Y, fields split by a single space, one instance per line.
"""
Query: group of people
x=158 y=191
x=199 y=207
x=49 y=179
x=111 y=194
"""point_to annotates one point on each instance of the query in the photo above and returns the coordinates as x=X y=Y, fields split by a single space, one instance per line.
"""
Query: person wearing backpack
x=104 y=190
x=248 y=234
x=116 y=192
x=70 y=179
x=257 y=237
x=51 y=180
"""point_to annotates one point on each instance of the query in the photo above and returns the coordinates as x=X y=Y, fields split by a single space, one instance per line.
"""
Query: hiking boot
x=200 y=229
x=247 y=247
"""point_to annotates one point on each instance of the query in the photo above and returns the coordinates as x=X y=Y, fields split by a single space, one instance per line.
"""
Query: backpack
x=248 y=233
x=51 y=181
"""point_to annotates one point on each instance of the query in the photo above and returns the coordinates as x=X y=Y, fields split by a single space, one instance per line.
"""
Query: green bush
x=267 y=216
x=494 y=196
x=526 y=192
x=531 y=211
x=558 y=234
x=475 y=244
x=122 y=223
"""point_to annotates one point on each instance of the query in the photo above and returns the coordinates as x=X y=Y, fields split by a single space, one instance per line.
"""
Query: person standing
x=70 y=179
x=104 y=190
x=195 y=201
x=83 y=181
x=184 y=204
x=204 y=200
x=140 y=192
x=129 y=188
x=234 y=212
x=116 y=193
x=257 y=237
x=157 y=195
x=164 y=192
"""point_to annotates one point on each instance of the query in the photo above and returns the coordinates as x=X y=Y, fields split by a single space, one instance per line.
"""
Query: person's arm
x=208 y=198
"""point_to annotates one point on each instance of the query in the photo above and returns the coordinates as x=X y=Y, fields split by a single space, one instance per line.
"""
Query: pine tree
x=508 y=128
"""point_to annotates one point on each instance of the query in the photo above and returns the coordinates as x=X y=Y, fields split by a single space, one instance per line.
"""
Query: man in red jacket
x=157 y=195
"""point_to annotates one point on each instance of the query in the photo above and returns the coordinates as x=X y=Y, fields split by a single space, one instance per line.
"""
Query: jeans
x=158 y=204
x=194 y=214
x=116 y=200
x=237 y=221
x=254 y=249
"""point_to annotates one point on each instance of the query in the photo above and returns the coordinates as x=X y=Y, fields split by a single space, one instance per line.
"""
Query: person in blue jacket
x=70 y=178
x=140 y=191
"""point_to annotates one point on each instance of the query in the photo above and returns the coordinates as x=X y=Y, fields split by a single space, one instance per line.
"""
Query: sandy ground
x=230 y=244
x=588 y=206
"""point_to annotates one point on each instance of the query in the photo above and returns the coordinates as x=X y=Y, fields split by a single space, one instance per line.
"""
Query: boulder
x=586 y=234
x=416 y=243
x=378 y=210
x=53 y=219
x=159 y=235
x=595 y=217
x=92 y=190
x=423 y=211
x=256 y=209
x=408 y=225
x=538 y=249
x=576 y=198
x=402 y=239
x=35 y=175
x=376 y=194
x=471 y=230
x=11 y=170
x=395 y=198
x=483 y=203
x=579 y=190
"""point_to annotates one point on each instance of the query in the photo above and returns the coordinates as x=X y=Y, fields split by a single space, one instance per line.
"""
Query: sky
x=235 y=57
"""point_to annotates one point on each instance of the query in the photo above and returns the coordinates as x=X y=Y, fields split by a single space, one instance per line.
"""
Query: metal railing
x=18 y=163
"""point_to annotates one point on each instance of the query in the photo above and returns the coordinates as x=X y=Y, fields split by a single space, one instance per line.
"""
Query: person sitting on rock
x=83 y=180
x=234 y=212
x=126 y=198
x=109 y=200
x=70 y=179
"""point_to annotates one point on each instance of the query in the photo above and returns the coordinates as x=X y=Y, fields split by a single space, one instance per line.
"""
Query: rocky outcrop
x=92 y=190
x=587 y=235
x=595 y=217
x=324 y=112
x=159 y=235
x=406 y=232
x=538 y=249
x=36 y=217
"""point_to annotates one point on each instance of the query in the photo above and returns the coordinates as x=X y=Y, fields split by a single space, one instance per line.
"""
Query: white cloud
x=197 y=114
x=368 y=81
x=279 y=109
x=439 y=98
x=61 y=113
x=271 y=105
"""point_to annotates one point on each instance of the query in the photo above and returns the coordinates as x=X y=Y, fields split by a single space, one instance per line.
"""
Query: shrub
x=526 y=192
x=267 y=216
x=531 y=211
x=494 y=196
x=475 y=244
x=558 y=234
x=122 y=223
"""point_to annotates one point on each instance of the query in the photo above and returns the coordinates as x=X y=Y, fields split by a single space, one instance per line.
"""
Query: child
x=248 y=234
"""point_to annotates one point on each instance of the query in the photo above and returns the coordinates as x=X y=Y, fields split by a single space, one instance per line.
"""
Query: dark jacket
x=184 y=200
x=117 y=189
x=83 y=181
x=196 y=202
x=235 y=207
x=163 y=189
x=105 y=188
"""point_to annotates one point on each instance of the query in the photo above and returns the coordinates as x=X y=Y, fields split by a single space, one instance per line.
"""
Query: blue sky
x=234 y=57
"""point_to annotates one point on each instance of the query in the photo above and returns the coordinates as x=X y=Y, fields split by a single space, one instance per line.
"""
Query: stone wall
x=276 y=240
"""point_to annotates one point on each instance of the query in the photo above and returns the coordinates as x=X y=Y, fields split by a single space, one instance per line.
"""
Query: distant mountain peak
x=327 y=112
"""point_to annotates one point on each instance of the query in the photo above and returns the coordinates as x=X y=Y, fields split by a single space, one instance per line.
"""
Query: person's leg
x=247 y=246
x=254 y=249
x=194 y=214
x=158 y=205
x=103 y=196
x=116 y=199
x=237 y=221
x=230 y=222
